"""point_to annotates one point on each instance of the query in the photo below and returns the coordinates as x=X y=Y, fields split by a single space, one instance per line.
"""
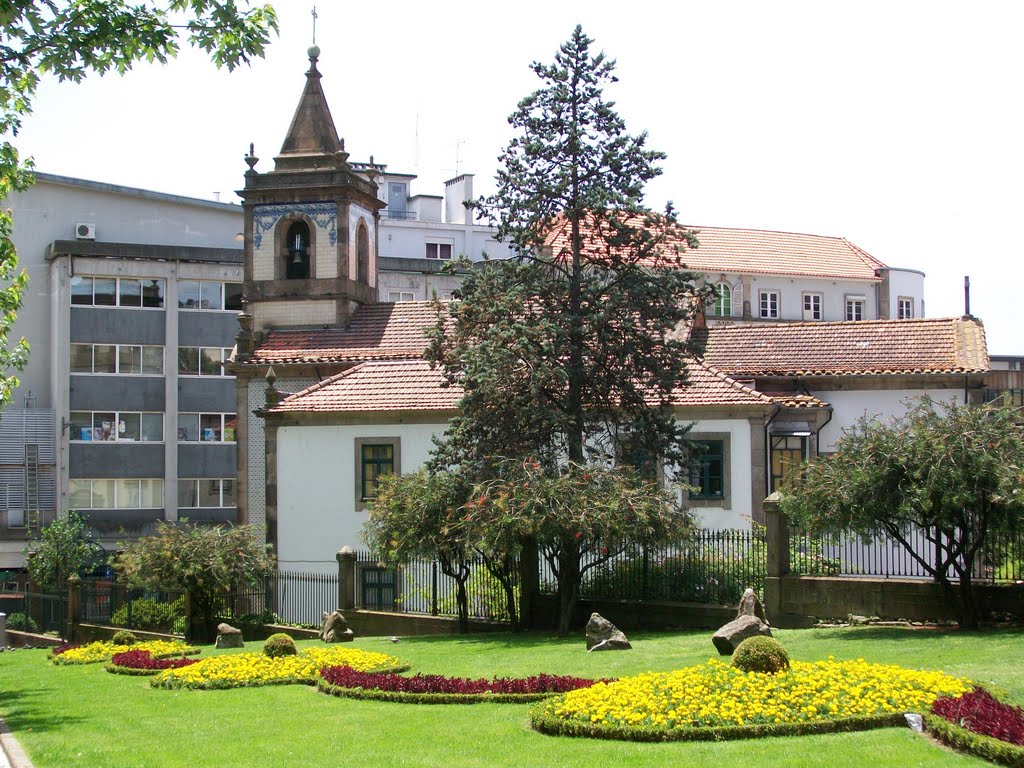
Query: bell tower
x=311 y=225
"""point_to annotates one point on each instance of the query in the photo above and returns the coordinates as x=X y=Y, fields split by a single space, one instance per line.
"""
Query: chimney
x=458 y=192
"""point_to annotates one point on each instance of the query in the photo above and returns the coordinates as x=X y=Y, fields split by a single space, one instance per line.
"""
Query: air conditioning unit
x=85 y=231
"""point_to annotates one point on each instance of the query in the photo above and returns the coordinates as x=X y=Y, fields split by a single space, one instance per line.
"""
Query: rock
x=602 y=635
x=736 y=631
x=857 y=620
x=229 y=637
x=335 y=629
x=751 y=606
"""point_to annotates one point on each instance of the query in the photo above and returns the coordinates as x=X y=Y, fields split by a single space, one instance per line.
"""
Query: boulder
x=751 y=606
x=736 y=631
x=229 y=637
x=602 y=635
x=335 y=629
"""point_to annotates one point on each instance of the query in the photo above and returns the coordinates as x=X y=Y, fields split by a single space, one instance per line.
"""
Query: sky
x=898 y=125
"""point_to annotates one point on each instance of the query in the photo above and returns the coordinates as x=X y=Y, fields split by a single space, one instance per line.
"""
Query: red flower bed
x=143 y=660
x=346 y=677
x=980 y=712
x=66 y=647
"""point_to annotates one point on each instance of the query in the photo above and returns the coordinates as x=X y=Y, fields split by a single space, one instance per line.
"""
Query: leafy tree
x=571 y=351
x=954 y=472
x=69 y=39
x=64 y=547
x=207 y=561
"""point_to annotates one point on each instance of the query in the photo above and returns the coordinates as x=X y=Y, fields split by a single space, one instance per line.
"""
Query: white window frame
x=904 y=308
x=222 y=292
x=116 y=500
x=224 y=418
x=225 y=354
x=439 y=249
x=117 y=292
x=401 y=296
x=197 y=495
x=769 y=303
x=812 y=313
x=856 y=305
x=117 y=420
x=724 y=300
x=117 y=360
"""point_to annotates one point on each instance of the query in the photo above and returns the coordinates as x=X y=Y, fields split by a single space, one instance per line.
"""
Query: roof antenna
x=313 y=14
x=967 y=295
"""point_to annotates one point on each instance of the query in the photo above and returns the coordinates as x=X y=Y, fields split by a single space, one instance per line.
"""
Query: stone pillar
x=74 y=605
x=346 y=579
x=777 y=546
x=748 y=296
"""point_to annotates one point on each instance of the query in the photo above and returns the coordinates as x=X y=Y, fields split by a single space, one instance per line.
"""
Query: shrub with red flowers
x=65 y=647
x=438 y=689
x=981 y=712
x=143 y=663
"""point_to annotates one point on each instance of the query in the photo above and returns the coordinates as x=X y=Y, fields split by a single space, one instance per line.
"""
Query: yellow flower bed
x=252 y=669
x=717 y=695
x=102 y=651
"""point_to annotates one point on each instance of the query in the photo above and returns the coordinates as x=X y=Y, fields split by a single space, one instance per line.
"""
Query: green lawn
x=81 y=715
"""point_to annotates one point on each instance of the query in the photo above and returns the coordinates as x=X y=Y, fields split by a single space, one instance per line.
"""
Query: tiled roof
x=873 y=347
x=796 y=400
x=383 y=385
x=411 y=385
x=376 y=332
x=758 y=251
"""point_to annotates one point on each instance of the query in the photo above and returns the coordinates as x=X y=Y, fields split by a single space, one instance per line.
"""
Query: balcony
x=387 y=213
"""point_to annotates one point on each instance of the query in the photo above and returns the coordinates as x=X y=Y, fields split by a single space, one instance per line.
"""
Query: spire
x=312 y=139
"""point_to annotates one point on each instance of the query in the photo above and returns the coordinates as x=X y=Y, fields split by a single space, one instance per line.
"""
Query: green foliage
x=964 y=740
x=955 y=472
x=22 y=622
x=486 y=597
x=761 y=654
x=154 y=615
x=64 y=547
x=123 y=637
x=204 y=560
x=278 y=645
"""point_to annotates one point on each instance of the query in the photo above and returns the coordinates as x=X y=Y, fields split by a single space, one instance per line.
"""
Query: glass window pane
x=228 y=487
x=130 y=292
x=128 y=426
x=209 y=361
x=187 y=494
x=81 y=425
x=233 y=296
x=151 y=493
x=152 y=427
x=188 y=361
x=129 y=359
x=128 y=494
x=102 y=494
x=153 y=360
x=188 y=294
x=188 y=427
x=104 y=358
x=79 y=494
x=81 y=358
x=153 y=293
x=230 y=424
x=210 y=427
x=210 y=295
x=103 y=426
x=81 y=291
x=104 y=291
x=209 y=493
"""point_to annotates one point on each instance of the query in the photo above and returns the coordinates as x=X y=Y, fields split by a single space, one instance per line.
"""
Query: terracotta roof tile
x=796 y=400
x=873 y=347
x=377 y=332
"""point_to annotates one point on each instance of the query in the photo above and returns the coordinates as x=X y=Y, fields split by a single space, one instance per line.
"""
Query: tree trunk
x=568 y=587
x=462 y=599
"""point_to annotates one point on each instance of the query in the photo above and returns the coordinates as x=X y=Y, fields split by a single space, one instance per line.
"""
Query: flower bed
x=437 y=689
x=718 y=701
x=977 y=722
x=93 y=653
x=143 y=663
x=240 y=670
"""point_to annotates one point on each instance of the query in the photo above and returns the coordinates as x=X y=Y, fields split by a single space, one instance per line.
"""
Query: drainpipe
x=768 y=450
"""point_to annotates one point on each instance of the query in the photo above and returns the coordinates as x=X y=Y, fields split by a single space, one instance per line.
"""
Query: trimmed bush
x=760 y=654
x=279 y=645
x=123 y=637
x=20 y=622
x=986 y=747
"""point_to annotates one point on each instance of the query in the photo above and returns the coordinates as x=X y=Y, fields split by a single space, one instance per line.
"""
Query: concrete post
x=777 y=546
x=3 y=630
x=346 y=579
x=74 y=605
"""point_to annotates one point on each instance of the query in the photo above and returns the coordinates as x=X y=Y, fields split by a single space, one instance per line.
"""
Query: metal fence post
x=433 y=588
x=346 y=579
x=74 y=605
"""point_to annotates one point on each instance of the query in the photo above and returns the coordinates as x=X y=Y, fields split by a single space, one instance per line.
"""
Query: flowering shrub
x=93 y=653
x=715 y=700
x=252 y=669
x=143 y=663
x=437 y=689
x=981 y=712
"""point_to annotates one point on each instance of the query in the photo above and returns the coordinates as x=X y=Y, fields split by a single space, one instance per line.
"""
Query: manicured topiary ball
x=123 y=637
x=279 y=645
x=761 y=654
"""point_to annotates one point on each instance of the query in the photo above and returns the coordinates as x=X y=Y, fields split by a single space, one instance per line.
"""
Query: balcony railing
x=396 y=215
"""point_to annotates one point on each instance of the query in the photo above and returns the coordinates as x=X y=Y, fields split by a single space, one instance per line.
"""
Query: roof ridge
x=871 y=260
x=844 y=323
x=767 y=231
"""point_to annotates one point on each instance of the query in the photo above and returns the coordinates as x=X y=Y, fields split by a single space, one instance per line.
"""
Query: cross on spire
x=315 y=17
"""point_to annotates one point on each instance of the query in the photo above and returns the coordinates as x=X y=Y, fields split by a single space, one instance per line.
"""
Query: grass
x=82 y=715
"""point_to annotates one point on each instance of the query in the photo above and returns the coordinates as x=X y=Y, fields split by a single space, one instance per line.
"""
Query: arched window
x=723 y=304
x=363 y=254
x=297 y=251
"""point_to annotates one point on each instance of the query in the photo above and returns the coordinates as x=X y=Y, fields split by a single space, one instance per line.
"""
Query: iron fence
x=107 y=602
x=293 y=597
x=41 y=612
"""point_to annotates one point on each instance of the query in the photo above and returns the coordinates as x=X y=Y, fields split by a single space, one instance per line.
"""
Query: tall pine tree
x=569 y=353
